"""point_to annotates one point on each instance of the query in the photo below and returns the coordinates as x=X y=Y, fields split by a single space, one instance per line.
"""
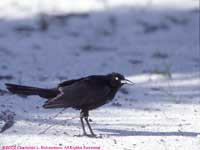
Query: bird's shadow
x=118 y=132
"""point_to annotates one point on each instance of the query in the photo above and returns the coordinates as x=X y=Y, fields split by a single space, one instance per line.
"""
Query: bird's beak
x=126 y=81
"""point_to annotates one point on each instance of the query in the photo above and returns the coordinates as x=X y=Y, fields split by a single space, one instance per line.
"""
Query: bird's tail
x=27 y=90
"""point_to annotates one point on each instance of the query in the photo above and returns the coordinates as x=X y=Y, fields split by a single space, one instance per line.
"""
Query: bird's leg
x=86 y=114
x=82 y=123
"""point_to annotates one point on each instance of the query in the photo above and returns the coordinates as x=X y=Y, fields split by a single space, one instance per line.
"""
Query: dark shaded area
x=6 y=77
x=151 y=28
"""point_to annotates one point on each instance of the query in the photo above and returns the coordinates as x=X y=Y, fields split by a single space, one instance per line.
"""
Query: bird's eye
x=116 y=78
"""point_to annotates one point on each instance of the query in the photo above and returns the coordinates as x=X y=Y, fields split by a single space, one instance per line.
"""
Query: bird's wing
x=79 y=94
x=68 y=82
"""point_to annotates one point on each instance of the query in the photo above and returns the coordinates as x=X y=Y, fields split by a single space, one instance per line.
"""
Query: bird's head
x=117 y=80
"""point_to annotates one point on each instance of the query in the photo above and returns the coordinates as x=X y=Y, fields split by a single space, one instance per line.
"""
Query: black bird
x=84 y=94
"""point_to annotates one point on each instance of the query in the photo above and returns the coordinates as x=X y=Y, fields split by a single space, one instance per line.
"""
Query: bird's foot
x=94 y=136
x=88 y=135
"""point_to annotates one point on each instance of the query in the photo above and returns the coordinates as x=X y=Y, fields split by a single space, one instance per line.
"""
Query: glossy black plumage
x=84 y=94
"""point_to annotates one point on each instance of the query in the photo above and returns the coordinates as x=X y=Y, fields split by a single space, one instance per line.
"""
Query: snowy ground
x=154 y=43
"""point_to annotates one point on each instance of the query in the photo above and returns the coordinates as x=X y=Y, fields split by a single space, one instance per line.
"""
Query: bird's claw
x=89 y=135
